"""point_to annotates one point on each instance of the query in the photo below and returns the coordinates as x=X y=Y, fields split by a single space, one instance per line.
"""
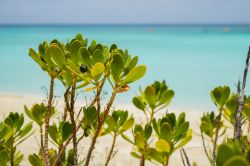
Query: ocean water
x=192 y=59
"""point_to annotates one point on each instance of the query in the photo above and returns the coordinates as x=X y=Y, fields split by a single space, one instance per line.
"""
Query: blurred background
x=194 y=45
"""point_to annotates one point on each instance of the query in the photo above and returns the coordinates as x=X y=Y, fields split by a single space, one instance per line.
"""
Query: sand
x=15 y=102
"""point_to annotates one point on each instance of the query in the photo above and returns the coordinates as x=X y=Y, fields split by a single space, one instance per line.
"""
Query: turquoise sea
x=192 y=59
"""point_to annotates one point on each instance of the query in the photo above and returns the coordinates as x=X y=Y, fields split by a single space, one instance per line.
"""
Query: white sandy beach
x=15 y=102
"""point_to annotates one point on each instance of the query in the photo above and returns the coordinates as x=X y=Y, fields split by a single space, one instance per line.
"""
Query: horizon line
x=122 y=24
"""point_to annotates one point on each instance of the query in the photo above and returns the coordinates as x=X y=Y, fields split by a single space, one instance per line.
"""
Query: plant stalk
x=237 y=129
x=204 y=147
x=72 y=118
x=217 y=127
x=186 y=157
x=142 y=161
x=152 y=115
x=99 y=126
x=111 y=150
x=41 y=142
x=12 y=154
x=47 y=119
x=66 y=100
x=78 y=127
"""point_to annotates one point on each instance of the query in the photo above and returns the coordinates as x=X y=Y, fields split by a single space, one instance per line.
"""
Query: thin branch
x=47 y=119
x=186 y=157
x=204 y=147
x=237 y=131
x=99 y=126
x=182 y=158
x=111 y=150
x=78 y=127
x=217 y=127
x=66 y=100
x=72 y=118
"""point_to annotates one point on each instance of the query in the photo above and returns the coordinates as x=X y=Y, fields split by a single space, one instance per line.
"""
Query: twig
x=217 y=127
x=99 y=126
x=204 y=147
x=142 y=161
x=78 y=127
x=237 y=131
x=73 y=123
x=186 y=157
x=182 y=158
x=47 y=119
x=111 y=150
x=66 y=100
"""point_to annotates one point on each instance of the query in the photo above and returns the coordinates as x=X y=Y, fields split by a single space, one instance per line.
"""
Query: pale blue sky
x=124 y=11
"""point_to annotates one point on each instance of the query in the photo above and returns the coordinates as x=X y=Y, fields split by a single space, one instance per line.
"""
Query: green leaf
x=216 y=95
x=26 y=129
x=135 y=155
x=70 y=158
x=127 y=138
x=122 y=117
x=79 y=36
x=133 y=62
x=57 y=55
x=135 y=74
x=75 y=52
x=224 y=152
x=138 y=103
x=38 y=113
x=66 y=131
x=111 y=123
x=156 y=156
x=85 y=56
x=4 y=157
x=19 y=122
x=150 y=96
x=185 y=140
x=28 y=112
x=36 y=58
x=127 y=125
x=90 y=113
x=220 y=95
x=166 y=97
x=225 y=95
x=166 y=132
x=113 y=47
x=18 y=158
x=97 y=70
x=147 y=131
x=182 y=130
x=116 y=66
x=35 y=160
x=236 y=161
x=139 y=140
x=98 y=57
x=53 y=133
x=162 y=146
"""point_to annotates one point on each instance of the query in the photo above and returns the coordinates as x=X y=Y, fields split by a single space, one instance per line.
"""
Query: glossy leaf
x=57 y=55
x=127 y=125
x=97 y=70
x=116 y=67
x=162 y=146
x=139 y=103
x=135 y=74
x=139 y=140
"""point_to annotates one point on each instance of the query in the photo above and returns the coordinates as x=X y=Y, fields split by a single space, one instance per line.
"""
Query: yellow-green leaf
x=57 y=55
x=135 y=74
x=139 y=140
x=97 y=69
x=162 y=146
